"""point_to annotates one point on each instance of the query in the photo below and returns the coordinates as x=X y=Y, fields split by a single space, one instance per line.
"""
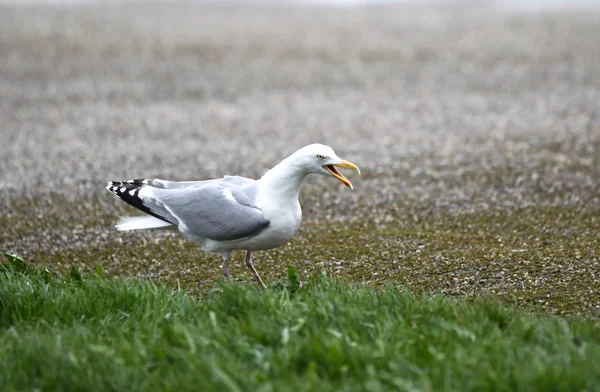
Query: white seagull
x=231 y=213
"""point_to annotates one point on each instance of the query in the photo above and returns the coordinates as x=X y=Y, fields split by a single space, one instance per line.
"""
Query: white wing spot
x=132 y=192
x=122 y=189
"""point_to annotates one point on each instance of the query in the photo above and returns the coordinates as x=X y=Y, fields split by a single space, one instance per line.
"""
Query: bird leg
x=251 y=266
x=225 y=269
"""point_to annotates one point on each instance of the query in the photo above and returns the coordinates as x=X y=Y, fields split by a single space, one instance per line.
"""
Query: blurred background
x=198 y=89
x=451 y=109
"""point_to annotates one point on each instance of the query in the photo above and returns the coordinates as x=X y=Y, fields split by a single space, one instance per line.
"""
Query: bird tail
x=141 y=223
x=129 y=192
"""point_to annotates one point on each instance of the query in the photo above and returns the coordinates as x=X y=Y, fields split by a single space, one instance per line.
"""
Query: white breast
x=284 y=217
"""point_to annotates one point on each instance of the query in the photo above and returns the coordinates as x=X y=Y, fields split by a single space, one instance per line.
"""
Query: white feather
x=141 y=223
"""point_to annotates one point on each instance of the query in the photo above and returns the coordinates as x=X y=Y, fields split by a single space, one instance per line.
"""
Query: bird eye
x=320 y=157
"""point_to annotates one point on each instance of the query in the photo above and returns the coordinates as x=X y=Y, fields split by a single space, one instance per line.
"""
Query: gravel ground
x=453 y=114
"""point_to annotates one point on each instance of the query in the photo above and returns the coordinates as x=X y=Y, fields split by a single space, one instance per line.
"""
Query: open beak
x=336 y=173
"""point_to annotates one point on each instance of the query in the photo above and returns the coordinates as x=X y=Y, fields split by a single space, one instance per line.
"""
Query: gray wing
x=218 y=210
x=158 y=183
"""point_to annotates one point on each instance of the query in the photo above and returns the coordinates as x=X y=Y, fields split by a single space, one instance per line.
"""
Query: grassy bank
x=78 y=332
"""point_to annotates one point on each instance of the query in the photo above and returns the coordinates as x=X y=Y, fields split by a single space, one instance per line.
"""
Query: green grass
x=87 y=332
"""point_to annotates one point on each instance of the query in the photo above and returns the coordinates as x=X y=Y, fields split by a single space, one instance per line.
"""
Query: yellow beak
x=335 y=172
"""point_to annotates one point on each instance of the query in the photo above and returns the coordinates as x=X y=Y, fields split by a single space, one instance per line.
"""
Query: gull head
x=321 y=159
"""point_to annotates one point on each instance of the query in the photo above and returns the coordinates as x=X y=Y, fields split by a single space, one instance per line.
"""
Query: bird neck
x=284 y=180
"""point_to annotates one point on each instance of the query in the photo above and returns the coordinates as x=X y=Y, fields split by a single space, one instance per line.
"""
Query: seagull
x=231 y=213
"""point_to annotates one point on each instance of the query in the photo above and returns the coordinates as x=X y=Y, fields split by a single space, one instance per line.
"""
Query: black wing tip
x=123 y=190
x=130 y=184
x=128 y=191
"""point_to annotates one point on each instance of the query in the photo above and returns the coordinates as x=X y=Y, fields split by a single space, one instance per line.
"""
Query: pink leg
x=225 y=269
x=251 y=266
